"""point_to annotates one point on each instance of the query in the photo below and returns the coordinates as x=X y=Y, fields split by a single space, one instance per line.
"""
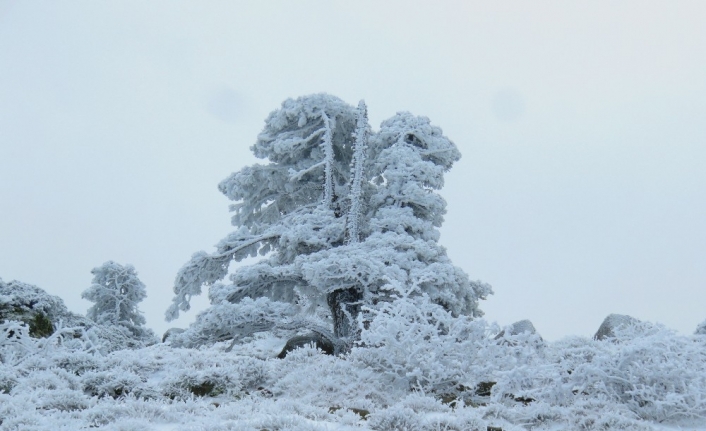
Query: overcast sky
x=581 y=191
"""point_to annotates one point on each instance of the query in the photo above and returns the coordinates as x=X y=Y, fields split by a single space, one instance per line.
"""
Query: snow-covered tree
x=116 y=291
x=344 y=216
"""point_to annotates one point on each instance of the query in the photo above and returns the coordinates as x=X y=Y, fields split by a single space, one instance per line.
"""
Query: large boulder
x=612 y=322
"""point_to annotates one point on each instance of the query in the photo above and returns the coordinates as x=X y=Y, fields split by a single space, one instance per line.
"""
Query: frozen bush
x=33 y=306
x=651 y=370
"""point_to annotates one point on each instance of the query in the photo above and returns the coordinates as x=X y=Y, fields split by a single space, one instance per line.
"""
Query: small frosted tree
x=115 y=292
x=344 y=217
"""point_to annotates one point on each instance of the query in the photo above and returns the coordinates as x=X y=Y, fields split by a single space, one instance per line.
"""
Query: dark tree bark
x=345 y=307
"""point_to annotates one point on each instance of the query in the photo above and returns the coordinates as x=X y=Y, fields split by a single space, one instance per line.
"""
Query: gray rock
x=318 y=340
x=613 y=321
x=517 y=328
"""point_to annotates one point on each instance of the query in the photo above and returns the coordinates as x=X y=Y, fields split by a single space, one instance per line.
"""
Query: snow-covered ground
x=646 y=378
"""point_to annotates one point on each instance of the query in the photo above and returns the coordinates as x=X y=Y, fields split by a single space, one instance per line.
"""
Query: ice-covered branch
x=226 y=249
x=327 y=145
x=296 y=175
x=204 y=269
x=361 y=138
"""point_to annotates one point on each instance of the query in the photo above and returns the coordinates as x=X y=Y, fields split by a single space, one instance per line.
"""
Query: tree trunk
x=345 y=307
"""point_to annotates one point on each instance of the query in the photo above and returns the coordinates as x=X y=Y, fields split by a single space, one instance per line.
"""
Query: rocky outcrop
x=613 y=321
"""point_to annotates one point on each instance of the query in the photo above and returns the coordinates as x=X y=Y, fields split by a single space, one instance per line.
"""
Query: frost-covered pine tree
x=116 y=291
x=344 y=217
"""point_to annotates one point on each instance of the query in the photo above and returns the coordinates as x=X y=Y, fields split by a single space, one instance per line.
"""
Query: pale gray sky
x=581 y=191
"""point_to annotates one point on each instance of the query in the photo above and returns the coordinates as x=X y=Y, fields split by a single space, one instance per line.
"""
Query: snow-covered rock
x=517 y=328
x=607 y=328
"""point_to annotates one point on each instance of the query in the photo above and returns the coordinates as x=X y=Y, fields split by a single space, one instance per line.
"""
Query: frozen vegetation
x=353 y=318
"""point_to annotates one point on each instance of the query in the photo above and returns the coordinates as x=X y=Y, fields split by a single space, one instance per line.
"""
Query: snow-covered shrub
x=50 y=378
x=413 y=343
x=599 y=413
x=404 y=342
x=8 y=377
x=424 y=413
x=645 y=372
x=653 y=371
x=165 y=372
x=41 y=311
x=129 y=413
x=576 y=383
x=213 y=377
x=103 y=383
x=78 y=362
x=15 y=341
x=16 y=346
x=308 y=375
